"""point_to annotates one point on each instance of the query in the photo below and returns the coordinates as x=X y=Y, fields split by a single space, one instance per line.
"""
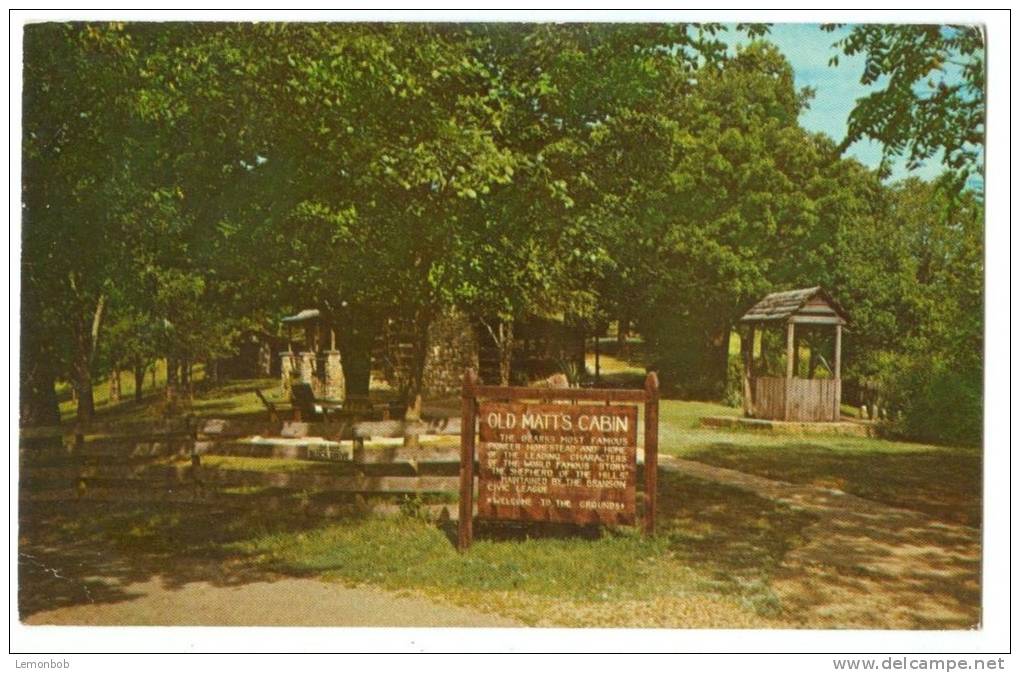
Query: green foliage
x=940 y=401
x=914 y=277
x=185 y=181
x=414 y=507
x=932 y=100
x=733 y=394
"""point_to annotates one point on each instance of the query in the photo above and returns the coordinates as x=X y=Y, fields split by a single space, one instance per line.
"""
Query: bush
x=940 y=402
x=688 y=368
x=733 y=394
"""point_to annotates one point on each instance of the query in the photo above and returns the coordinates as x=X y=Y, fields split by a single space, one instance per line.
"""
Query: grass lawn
x=942 y=481
x=712 y=564
x=232 y=399
x=715 y=554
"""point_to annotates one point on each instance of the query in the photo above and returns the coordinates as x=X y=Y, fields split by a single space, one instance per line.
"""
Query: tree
x=77 y=81
x=912 y=278
x=539 y=246
x=715 y=208
x=373 y=138
x=933 y=99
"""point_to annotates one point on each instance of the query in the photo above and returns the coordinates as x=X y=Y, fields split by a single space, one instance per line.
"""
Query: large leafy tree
x=188 y=180
x=912 y=275
x=711 y=203
x=77 y=83
x=540 y=244
x=376 y=139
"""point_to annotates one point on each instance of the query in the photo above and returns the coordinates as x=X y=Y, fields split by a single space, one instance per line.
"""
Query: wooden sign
x=554 y=454
x=567 y=463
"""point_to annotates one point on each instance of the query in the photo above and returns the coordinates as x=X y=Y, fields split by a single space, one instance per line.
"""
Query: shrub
x=939 y=401
x=733 y=394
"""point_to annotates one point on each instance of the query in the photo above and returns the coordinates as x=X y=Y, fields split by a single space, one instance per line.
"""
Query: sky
x=808 y=49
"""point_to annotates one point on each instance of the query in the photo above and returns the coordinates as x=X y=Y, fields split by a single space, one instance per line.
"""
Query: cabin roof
x=302 y=316
x=809 y=304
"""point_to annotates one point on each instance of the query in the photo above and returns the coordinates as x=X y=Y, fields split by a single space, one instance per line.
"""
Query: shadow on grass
x=733 y=536
x=89 y=552
x=712 y=540
x=945 y=484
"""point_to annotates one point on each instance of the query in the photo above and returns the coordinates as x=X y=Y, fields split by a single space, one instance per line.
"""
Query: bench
x=304 y=407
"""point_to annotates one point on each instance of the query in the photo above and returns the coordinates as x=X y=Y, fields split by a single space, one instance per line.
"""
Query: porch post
x=836 y=372
x=787 y=389
x=747 y=350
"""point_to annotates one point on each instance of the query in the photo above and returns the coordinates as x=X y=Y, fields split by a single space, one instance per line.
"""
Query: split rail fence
x=182 y=461
x=188 y=461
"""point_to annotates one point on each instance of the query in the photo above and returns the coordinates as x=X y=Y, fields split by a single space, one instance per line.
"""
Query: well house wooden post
x=836 y=371
x=747 y=360
x=788 y=388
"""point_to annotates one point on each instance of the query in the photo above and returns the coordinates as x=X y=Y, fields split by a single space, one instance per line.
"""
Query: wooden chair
x=305 y=407
x=274 y=413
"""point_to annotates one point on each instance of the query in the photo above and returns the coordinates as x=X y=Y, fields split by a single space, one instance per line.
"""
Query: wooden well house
x=809 y=391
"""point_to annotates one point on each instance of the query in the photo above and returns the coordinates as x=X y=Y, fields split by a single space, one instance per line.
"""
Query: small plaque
x=335 y=453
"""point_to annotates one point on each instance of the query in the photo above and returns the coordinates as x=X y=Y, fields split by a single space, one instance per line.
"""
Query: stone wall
x=453 y=347
x=288 y=365
x=334 y=384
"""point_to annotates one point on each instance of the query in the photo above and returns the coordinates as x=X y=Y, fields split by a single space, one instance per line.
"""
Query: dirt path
x=866 y=564
x=284 y=601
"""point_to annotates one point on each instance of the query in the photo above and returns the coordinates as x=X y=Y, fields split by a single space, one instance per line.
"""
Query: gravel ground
x=284 y=601
x=866 y=564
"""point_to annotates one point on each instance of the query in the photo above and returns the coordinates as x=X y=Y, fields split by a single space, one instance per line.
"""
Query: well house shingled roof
x=782 y=305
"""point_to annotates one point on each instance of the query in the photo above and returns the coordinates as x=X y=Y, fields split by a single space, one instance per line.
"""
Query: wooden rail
x=179 y=461
x=101 y=461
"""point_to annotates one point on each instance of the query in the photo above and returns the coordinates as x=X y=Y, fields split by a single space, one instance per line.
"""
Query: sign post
x=651 y=449
x=555 y=455
x=468 y=406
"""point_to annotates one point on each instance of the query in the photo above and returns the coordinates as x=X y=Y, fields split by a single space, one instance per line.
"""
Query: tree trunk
x=419 y=354
x=84 y=337
x=114 y=386
x=83 y=387
x=38 y=399
x=717 y=370
x=139 y=373
x=356 y=350
x=503 y=340
x=187 y=389
x=172 y=380
x=505 y=344
x=81 y=372
x=622 y=332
